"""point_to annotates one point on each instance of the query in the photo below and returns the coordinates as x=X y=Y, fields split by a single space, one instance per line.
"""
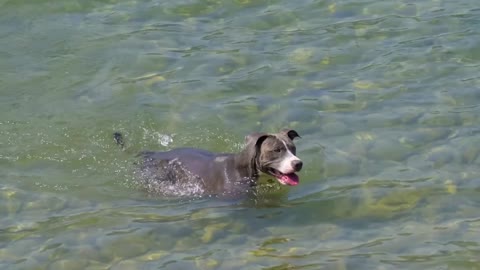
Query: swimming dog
x=192 y=171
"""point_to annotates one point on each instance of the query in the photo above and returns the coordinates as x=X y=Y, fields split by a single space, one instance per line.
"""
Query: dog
x=198 y=172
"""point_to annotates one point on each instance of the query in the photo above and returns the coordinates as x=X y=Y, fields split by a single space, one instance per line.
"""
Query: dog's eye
x=277 y=150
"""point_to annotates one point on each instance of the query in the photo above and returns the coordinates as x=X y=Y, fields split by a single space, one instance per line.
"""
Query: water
x=385 y=96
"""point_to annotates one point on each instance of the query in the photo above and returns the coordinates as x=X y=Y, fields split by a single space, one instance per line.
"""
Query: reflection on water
x=384 y=93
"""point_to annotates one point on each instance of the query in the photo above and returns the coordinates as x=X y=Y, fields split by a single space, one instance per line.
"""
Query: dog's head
x=275 y=154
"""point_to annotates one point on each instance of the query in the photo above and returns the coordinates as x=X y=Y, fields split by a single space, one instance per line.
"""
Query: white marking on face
x=286 y=164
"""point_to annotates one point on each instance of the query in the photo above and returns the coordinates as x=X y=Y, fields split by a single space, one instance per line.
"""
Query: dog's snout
x=297 y=165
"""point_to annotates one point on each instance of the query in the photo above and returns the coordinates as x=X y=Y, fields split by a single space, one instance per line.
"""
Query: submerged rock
x=126 y=265
x=389 y=149
x=212 y=230
x=394 y=203
x=336 y=166
x=423 y=136
x=450 y=187
x=11 y=201
x=126 y=247
x=469 y=150
x=153 y=256
x=206 y=263
x=187 y=243
x=440 y=156
x=301 y=55
x=335 y=128
x=70 y=264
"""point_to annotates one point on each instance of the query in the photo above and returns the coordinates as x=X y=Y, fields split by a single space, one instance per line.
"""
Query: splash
x=169 y=178
x=162 y=139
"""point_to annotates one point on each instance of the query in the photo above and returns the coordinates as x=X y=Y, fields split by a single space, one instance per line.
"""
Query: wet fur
x=198 y=172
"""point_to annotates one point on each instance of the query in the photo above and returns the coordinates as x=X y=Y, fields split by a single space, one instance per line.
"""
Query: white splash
x=171 y=179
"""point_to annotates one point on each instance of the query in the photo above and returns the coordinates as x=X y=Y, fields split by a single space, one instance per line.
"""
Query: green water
x=385 y=95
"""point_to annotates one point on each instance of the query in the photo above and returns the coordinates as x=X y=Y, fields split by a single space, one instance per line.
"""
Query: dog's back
x=190 y=171
x=197 y=172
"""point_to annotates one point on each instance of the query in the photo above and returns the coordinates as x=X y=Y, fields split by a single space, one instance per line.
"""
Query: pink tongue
x=290 y=179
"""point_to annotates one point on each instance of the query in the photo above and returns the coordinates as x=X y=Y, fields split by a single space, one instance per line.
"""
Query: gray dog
x=197 y=172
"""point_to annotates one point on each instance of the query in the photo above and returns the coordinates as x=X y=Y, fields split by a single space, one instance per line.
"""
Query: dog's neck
x=246 y=164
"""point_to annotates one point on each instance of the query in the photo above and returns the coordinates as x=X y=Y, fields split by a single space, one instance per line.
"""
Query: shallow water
x=385 y=96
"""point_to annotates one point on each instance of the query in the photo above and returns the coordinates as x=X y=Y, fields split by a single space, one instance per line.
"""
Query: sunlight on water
x=384 y=95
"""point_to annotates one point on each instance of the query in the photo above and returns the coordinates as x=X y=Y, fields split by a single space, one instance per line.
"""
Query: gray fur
x=198 y=172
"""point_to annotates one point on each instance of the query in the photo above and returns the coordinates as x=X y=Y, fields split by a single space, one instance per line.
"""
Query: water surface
x=385 y=96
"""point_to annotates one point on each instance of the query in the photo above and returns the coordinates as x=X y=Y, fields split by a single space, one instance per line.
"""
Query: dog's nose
x=297 y=165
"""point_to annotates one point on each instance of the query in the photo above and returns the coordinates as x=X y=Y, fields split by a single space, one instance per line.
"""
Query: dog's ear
x=250 y=153
x=290 y=133
x=254 y=141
